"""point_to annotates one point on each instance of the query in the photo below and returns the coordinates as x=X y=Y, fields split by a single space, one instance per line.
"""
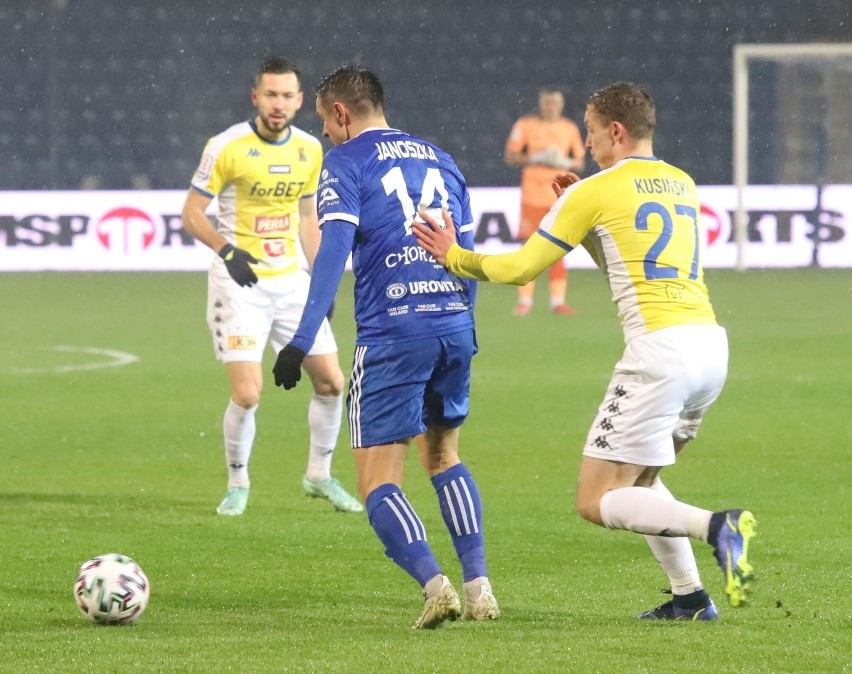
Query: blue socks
x=462 y=511
x=401 y=531
x=398 y=527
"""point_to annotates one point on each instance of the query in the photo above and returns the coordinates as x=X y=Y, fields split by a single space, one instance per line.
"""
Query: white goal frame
x=743 y=53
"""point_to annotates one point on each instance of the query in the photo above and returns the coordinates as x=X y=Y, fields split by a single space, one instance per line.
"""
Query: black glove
x=237 y=262
x=288 y=366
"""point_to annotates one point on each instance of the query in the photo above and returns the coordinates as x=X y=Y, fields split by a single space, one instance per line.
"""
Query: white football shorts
x=662 y=386
x=243 y=320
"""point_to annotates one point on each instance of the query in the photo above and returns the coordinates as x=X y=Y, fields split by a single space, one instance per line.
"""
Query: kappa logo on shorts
x=601 y=442
x=606 y=424
x=241 y=343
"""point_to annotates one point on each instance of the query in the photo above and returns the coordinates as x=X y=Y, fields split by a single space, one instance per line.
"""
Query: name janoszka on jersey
x=403 y=149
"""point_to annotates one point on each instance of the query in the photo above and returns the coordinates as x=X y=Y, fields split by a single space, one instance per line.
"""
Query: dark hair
x=629 y=104
x=275 y=65
x=355 y=86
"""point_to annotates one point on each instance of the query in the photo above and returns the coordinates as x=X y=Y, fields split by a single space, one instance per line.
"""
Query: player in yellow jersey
x=265 y=174
x=638 y=217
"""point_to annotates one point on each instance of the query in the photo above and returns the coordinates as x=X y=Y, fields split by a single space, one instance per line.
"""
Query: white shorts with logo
x=243 y=320
x=661 y=388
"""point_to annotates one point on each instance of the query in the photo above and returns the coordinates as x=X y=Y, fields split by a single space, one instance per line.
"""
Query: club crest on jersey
x=279 y=168
x=302 y=155
x=269 y=224
x=396 y=290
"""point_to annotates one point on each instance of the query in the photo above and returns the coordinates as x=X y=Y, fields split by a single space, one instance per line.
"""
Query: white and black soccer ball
x=111 y=589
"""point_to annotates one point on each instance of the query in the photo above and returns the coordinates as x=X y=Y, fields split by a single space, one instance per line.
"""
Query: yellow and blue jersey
x=259 y=184
x=639 y=220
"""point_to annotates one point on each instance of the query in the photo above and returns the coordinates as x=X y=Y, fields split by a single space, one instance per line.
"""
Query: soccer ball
x=111 y=589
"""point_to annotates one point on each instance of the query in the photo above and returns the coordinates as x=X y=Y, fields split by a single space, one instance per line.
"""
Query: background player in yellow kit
x=265 y=173
x=638 y=218
x=543 y=145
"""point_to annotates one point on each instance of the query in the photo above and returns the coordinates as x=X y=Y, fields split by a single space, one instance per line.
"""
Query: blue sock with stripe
x=462 y=511
x=398 y=527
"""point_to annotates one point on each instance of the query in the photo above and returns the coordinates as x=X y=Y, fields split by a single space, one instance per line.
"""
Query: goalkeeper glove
x=237 y=263
x=540 y=157
x=288 y=366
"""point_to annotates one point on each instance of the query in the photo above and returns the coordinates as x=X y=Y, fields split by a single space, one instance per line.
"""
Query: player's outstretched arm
x=517 y=268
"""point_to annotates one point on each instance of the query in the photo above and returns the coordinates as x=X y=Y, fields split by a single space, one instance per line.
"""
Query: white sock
x=239 y=428
x=645 y=511
x=324 y=419
x=675 y=555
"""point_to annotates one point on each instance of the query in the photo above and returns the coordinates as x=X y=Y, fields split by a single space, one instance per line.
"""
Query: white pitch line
x=119 y=358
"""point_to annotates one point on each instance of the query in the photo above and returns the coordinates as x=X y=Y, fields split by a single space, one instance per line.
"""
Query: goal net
x=792 y=125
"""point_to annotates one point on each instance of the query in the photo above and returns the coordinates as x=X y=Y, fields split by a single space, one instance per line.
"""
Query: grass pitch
x=129 y=459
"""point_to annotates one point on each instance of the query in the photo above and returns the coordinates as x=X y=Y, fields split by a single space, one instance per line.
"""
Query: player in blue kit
x=415 y=333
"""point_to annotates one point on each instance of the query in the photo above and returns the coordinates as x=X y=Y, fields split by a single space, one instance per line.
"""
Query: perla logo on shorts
x=396 y=290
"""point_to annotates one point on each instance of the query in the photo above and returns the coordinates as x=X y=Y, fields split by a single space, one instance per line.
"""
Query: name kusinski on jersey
x=401 y=149
x=662 y=186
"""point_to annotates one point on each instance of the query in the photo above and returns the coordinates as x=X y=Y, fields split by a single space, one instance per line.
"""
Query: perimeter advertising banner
x=788 y=226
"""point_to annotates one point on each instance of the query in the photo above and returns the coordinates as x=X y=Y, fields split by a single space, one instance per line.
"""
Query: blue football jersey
x=378 y=181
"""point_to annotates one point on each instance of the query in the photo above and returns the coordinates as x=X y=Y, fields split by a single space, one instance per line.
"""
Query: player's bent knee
x=589 y=508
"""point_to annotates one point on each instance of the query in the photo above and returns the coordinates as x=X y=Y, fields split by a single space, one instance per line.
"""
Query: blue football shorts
x=397 y=390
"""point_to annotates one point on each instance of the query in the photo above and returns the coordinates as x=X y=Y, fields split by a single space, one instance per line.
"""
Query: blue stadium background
x=121 y=94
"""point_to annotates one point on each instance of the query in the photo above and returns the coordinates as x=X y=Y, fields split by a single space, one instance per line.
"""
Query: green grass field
x=129 y=459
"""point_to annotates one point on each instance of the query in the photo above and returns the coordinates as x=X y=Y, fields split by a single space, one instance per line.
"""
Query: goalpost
x=815 y=53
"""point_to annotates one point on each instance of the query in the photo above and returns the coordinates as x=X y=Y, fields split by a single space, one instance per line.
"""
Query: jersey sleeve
x=339 y=197
x=573 y=215
x=335 y=246
x=516 y=268
x=213 y=170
